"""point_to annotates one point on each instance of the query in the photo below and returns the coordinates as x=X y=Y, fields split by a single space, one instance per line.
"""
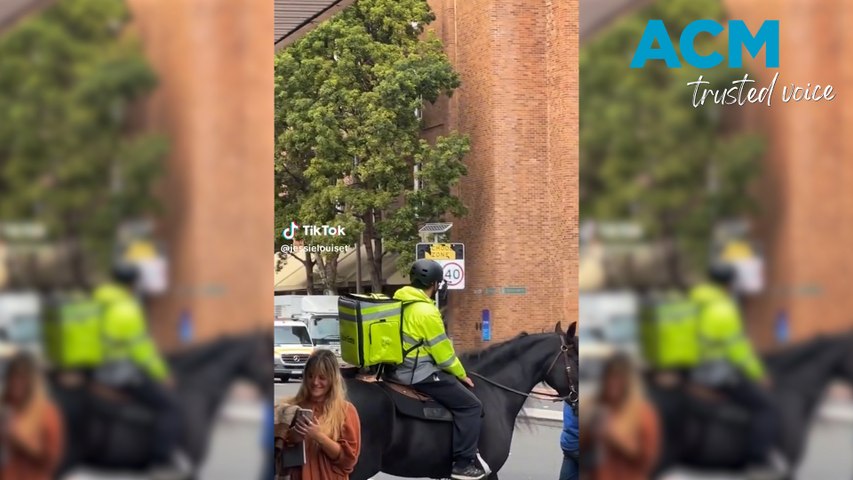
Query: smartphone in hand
x=306 y=414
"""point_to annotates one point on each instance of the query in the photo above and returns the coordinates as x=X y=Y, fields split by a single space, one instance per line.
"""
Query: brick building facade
x=214 y=60
x=805 y=222
x=519 y=104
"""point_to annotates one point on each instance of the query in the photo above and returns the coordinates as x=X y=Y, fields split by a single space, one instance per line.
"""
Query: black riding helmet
x=721 y=273
x=426 y=273
x=125 y=273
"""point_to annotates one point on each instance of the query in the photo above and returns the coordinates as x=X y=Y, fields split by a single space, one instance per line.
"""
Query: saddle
x=701 y=404
x=409 y=402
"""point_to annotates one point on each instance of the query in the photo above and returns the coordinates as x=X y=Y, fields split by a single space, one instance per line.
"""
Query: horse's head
x=562 y=374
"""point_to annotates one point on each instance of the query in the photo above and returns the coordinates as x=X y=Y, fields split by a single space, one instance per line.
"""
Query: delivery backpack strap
x=420 y=343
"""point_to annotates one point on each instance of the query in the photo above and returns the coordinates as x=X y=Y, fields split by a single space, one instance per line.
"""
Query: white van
x=292 y=347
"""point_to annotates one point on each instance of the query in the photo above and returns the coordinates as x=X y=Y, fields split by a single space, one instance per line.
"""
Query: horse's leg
x=363 y=472
x=369 y=464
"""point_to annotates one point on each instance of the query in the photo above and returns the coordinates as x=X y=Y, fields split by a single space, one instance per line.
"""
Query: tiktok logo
x=290 y=232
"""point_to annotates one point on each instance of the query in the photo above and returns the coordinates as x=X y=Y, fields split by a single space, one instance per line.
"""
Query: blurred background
x=667 y=189
x=132 y=133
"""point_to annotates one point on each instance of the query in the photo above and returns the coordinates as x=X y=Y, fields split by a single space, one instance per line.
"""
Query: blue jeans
x=569 y=471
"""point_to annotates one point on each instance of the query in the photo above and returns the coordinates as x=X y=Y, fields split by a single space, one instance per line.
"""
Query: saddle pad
x=428 y=410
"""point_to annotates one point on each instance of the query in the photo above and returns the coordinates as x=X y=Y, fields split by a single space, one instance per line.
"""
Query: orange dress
x=318 y=466
x=618 y=466
x=19 y=465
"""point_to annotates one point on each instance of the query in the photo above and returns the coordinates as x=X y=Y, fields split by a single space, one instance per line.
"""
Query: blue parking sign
x=487 y=326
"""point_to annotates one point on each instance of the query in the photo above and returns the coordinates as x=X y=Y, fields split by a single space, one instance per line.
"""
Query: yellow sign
x=140 y=250
x=440 y=251
x=737 y=250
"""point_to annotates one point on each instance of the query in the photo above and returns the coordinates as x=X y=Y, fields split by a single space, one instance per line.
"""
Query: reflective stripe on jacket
x=428 y=349
x=125 y=333
x=721 y=332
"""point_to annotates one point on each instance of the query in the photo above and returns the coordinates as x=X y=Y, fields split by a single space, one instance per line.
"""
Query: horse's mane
x=501 y=353
x=800 y=354
x=206 y=353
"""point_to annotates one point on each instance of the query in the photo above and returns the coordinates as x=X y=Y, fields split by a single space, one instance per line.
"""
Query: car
x=292 y=347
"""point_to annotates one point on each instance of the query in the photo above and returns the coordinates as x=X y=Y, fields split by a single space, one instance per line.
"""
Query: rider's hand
x=766 y=382
x=169 y=382
x=467 y=381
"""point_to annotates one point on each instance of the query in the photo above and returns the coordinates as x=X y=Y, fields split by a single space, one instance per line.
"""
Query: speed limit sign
x=454 y=273
x=451 y=257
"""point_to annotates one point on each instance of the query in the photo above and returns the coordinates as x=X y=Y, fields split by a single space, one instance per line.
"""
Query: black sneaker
x=468 y=470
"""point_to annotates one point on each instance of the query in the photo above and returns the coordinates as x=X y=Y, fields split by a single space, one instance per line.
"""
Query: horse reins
x=572 y=398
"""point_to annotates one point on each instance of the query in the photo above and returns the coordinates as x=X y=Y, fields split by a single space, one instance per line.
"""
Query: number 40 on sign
x=451 y=257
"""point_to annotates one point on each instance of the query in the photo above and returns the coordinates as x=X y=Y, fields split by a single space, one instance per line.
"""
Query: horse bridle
x=572 y=398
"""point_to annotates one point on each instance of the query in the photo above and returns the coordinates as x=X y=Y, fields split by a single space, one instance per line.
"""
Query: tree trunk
x=77 y=264
x=672 y=256
x=329 y=273
x=308 y=263
x=332 y=276
x=373 y=247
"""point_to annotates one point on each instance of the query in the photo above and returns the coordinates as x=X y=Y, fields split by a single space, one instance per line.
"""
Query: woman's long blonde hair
x=323 y=362
x=31 y=414
x=627 y=417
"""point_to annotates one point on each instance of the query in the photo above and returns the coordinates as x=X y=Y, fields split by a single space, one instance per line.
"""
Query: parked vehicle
x=292 y=347
x=319 y=313
x=20 y=322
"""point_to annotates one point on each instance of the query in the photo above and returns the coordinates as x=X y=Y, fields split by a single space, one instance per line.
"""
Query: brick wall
x=518 y=103
x=215 y=62
x=807 y=205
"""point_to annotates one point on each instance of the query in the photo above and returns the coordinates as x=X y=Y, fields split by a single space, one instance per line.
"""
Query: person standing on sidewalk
x=569 y=444
x=621 y=436
x=32 y=433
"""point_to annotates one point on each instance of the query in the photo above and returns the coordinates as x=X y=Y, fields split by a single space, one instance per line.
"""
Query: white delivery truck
x=318 y=312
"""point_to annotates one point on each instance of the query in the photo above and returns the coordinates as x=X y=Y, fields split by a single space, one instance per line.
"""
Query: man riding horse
x=727 y=363
x=432 y=367
x=129 y=362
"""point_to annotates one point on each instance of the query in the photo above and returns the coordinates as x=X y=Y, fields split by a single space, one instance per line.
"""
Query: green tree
x=648 y=154
x=348 y=137
x=70 y=157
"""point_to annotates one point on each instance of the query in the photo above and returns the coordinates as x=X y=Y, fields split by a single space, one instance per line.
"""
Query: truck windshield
x=327 y=330
x=292 y=335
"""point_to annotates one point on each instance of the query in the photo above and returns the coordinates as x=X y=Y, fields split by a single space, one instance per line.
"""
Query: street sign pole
x=444 y=254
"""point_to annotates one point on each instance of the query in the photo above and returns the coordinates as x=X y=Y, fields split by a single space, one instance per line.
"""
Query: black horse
x=710 y=434
x=112 y=435
x=413 y=439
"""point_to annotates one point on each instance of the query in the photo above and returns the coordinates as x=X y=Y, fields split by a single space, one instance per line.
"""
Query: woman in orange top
x=31 y=434
x=621 y=438
x=333 y=436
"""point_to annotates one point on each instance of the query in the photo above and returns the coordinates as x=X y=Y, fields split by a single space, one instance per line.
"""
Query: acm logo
x=739 y=38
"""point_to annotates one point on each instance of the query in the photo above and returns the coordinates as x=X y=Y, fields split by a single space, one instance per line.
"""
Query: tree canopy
x=70 y=156
x=647 y=155
x=348 y=137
